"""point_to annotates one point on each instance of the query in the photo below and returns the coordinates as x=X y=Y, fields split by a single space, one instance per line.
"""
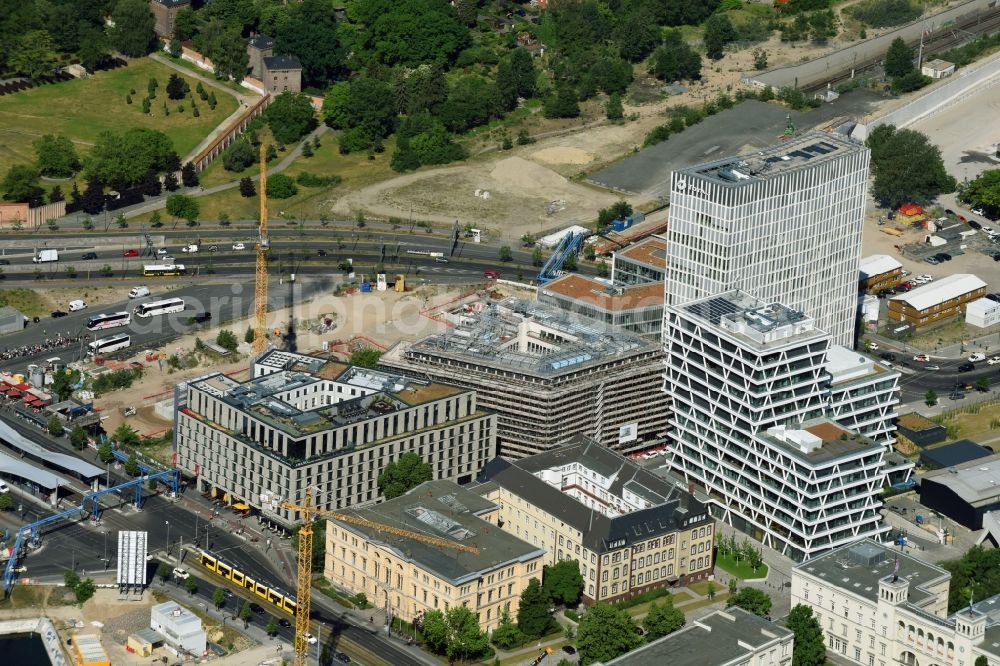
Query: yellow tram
x=271 y=595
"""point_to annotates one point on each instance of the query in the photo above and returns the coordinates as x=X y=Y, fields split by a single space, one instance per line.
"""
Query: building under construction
x=548 y=376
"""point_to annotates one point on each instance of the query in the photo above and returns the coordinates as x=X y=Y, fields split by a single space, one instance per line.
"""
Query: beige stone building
x=407 y=577
x=630 y=530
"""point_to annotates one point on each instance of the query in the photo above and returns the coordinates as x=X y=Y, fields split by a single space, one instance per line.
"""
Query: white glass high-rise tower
x=781 y=224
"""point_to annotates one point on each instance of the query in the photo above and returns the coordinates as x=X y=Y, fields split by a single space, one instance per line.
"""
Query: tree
x=191 y=584
x=808 y=649
x=189 y=176
x=226 y=47
x=78 y=438
x=522 y=65
x=175 y=87
x=562 y=582
x=307 y=149
x=759 y=59
x=675 y=60
x=898 y=59
x=125 y=435
x=163 y=571
x=55 y=426
x=227 y=340
x=536 y=257
x=133 y=33
x=719 y=31
x=533 y=617
x=983 y=384
x=906 y=167
x=505 y=253
x=983 y=191
x=31 y=54
x=280 y=186
x=170 y=183
x=219 y=597
x=132 y=465
x=752 y=600
x=466 y=640
x=602 y=269
x=613 y=108
x=71 y=579
x=183 y=207
x=507 y=636
x=605 y=632
x=435 y=631
x=663 y=619
x=309 y=32
x=411 y=32
x=290 y=117
x=272 y=627
x=104 y=452
x=366 y=357
x=6 y=503
x=569 y=263
x=636 y=35
x=94 y=48
x=408 y=472
x=471 y=101
x=92 y=200
x=247 y=187
x=129 y=157
x=249 y=336
x=562 y=104
x=930 y=397
x=84 y=590
x=21 y=184
x=55 y=156
x=981 y=660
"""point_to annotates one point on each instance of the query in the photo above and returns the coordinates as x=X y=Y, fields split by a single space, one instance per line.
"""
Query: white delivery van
x=77 y=305
x=138 y=292
x=45 y=256
x=190 y=248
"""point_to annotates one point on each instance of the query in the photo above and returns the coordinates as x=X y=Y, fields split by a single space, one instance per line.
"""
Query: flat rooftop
x=592 y=292
x=651 y=251
x=798 y=152
x=718 y=639
x=530 y=338
x=262 y=396
x=976 y=481
x=444 y=510
x=858 y=568
x=753 y=320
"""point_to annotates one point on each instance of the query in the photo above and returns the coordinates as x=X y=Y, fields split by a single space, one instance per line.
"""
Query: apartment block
x=880 y=606
x=782 y=224
x=936 y=301
x=408 y=577
x=630 y=530
x=308 y=421
x=547 y=375
x=864 y=394
x=750 y=395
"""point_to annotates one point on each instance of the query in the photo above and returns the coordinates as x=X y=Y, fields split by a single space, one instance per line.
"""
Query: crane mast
x=260 y=288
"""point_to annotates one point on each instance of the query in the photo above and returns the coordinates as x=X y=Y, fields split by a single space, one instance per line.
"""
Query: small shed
x=920 y=430
x=88 y=651
x=910 y=213
x=143 y=642
x=11 y=319
x=962 y=451
x=937 y=68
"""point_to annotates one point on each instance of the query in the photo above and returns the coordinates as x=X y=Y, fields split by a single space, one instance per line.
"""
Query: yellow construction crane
x=260 y=290
x=304 y=578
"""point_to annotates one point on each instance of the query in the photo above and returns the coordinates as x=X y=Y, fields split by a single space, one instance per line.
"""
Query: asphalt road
x=915 y=381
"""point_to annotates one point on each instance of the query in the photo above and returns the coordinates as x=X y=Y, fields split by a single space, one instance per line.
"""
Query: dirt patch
x=561 y=155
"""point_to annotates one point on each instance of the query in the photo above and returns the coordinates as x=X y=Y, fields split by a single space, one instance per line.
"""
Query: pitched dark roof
x=673 y=504
x=282 y=62
x=261 y=42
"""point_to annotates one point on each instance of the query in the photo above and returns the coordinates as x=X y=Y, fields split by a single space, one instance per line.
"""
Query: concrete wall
x=43 y=627
x=807 y=73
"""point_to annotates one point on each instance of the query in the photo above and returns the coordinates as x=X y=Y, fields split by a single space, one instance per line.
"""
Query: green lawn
x=83 y=108
x=741 y=569
x=31 y=302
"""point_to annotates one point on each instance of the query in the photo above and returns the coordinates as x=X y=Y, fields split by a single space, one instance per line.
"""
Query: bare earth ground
x=523 y=180
x=383 y=317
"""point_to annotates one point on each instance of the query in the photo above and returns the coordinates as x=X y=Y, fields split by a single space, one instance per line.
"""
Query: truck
x=45 y=256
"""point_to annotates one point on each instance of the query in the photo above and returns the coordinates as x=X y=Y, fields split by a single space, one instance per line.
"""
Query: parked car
x=569 y=649
x=441 y=260
x=130 y=253
x=994 y=360
x=162 y=252
x=58 y=313
x=978 y=356
x=312 y=639
x=213 y=248
x=994 y=297
x=944 y=256
x=282 y=622
x=956 y=395
x=321 y=252
x=342 y=658
x=872 y=346
x=978 y=210
x=949 y=211
x=181 y=573
x=887 y=356
x=239 y=246
x=256 y=610
x=933 y=260
x=87 y=256
x=190 y=248
x=966 y=367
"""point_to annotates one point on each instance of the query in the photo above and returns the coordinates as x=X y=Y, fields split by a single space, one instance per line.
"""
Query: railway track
x=943 y=39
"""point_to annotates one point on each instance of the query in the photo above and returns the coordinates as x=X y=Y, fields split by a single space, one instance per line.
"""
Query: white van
x=77 y=305
x=138 y=292
x=190 y=248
